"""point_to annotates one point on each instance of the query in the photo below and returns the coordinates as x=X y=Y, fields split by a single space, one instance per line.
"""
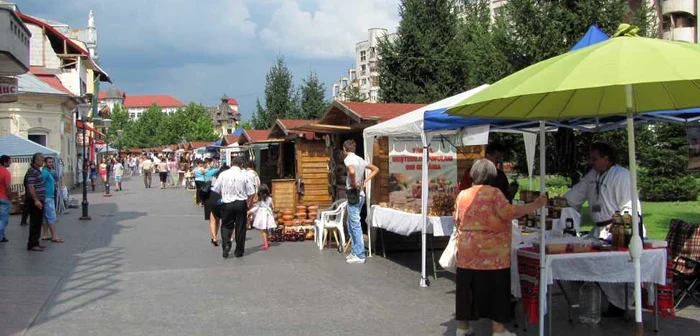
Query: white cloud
x=330 y=30
x=204 y=27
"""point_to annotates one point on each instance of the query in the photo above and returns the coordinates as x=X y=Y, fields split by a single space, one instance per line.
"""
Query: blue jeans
x=4 y=216
x=355 y=228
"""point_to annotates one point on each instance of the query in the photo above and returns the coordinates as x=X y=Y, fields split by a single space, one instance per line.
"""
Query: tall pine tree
x=279 y=96
x=423 y=64
x=312 y=103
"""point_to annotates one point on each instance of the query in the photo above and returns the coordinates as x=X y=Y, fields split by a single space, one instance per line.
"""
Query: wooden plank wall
x=312 y=168
x=466 y=155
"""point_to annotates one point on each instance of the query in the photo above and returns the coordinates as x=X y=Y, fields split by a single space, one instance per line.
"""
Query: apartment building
x=678 y=20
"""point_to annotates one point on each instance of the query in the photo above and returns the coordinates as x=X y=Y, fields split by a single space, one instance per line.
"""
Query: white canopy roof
x=412 y=123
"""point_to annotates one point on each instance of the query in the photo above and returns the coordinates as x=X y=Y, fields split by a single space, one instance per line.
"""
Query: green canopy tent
x=626 y=75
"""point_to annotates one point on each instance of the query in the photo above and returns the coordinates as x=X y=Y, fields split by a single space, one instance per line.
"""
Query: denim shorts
x=118 y=179
x=50 y=211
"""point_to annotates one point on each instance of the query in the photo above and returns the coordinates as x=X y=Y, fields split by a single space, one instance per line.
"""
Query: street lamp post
x=119 y=146
x=107 y=123
x=83 y=111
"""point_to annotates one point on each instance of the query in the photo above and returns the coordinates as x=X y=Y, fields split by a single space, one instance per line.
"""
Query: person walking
x=49 y=225
x=103 y=172
x=5 y=204
x=172 y=169
x=355 y=185
x=263 y=219
x=35 y=198
x=163 y=173
x=212 y=207
x=236 y=192
x=147 y=171
x=200 y=172
x=118 y=174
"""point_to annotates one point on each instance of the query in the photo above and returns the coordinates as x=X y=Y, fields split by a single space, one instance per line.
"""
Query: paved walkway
x=144 y=266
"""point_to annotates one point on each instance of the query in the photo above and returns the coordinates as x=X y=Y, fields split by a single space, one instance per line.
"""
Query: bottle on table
x=627 y=222
x=618 y=230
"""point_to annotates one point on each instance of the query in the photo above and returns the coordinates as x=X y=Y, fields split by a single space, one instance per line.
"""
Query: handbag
x=448 y=259
x=353 y=195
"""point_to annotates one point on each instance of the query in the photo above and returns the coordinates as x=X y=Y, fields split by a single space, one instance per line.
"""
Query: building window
x=132 y=115
x=363 y=56
x=364 y=81
x=39 y=138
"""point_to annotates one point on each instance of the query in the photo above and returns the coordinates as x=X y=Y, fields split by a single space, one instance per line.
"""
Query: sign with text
x=693 y=148
x=8 y=89
x=475 y=135
x=405 y=167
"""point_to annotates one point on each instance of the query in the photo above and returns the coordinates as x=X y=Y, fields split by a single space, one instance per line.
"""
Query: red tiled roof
x=50 y=79
x=148 y=100
x=293 y=123
x=47 y=27
x=231 y=139
x=256 y=135
x=232 y=101
x=199 y=144
x=378 y=110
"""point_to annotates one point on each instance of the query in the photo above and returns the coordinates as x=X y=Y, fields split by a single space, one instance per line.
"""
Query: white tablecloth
x=610 y=267
x=406 y=223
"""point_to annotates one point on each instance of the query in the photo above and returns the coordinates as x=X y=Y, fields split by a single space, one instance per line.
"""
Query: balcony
x=14 y=44
x=686 y=34
x=678 y=6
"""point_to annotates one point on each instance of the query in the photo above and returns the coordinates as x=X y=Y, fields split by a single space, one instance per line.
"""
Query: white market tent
x=412 y=124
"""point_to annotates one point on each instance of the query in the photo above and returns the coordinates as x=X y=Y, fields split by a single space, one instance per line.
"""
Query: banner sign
x=8 y=89
x=693 y=148
x=475 y=135
x=405 y=166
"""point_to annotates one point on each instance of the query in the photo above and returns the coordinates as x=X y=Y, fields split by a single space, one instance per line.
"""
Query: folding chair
x=684 y=247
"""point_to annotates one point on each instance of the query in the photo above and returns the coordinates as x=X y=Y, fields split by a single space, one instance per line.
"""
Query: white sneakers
x=353 y=259
x=466 y=332
x=505 y=333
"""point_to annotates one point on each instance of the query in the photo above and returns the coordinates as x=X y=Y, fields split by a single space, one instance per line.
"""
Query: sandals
x=36 y=249
x=57 y=240
x=214 y=242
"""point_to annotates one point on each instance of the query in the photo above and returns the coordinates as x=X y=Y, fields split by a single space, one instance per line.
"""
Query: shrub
x=667 y=188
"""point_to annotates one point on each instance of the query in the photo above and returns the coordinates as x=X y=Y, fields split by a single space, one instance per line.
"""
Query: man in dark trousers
x=35 y=190
x=237 y=191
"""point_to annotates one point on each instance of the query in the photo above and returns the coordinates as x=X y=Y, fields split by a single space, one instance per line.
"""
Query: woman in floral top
x=483 y=217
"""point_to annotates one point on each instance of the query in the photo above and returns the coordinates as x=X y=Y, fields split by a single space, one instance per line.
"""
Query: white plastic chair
x=332 y=220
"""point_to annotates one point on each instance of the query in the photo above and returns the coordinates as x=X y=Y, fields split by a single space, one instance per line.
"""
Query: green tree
x=147 y=127
x=312 y=102
x=120 y=121
x=424 y=63
x=200 y=125
x=352 y=94
x=279 y=96
x=246 y=125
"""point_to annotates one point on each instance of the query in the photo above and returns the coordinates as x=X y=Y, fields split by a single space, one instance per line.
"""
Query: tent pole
x=543 y=222
x=424 y=211
x=635 y=247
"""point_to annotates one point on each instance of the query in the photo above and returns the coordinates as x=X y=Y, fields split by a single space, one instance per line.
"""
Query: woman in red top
x=103 y=170
x=483 y=217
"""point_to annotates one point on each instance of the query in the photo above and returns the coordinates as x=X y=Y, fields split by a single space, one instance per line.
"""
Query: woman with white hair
x=483 y=219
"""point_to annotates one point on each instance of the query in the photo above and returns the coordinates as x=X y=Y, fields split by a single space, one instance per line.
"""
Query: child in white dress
x=262 y=212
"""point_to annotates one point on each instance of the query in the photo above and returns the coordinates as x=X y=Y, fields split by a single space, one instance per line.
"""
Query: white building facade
x=679 y=20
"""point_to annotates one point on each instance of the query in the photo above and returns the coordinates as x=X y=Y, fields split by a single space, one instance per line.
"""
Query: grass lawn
x=657 y=215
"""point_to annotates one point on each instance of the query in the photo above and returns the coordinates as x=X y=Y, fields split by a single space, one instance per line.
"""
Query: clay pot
x=308 y=222
x=288 y=223
x=288 y=212
x=312 y=215
x=287 y=217
x=301 y=215
x=297 y=222
x=313 y=208
x=301 y=208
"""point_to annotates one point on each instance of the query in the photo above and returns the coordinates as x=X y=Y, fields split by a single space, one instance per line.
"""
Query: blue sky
x=198 y=50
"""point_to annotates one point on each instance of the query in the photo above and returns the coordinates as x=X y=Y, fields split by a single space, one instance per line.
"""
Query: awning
x=267 y=141
x=327 y=128
x=79 y=124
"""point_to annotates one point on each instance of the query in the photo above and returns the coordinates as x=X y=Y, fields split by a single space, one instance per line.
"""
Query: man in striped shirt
x=35 y=197
x=237 y=191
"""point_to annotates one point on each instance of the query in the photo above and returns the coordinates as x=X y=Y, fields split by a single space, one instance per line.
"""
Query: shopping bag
x=448 y=259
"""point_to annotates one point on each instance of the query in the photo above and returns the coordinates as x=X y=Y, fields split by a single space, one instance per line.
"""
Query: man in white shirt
x=607 y=189
x=356 y=183
x=237 y=191
x=147 y=169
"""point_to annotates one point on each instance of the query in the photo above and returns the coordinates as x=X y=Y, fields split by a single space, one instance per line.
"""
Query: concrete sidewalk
x=144 y=266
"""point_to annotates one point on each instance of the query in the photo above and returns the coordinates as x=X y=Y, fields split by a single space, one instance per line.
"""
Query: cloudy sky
x=198 y=50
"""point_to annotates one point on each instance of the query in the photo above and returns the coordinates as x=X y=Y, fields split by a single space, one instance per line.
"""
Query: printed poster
x=405 y=163
x=693 y=148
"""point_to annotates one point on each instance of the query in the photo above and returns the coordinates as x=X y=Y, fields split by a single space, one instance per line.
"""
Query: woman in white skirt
x=262 y=211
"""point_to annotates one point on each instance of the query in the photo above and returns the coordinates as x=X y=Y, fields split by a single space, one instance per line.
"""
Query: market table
x=405 y=223
x=597 y=266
